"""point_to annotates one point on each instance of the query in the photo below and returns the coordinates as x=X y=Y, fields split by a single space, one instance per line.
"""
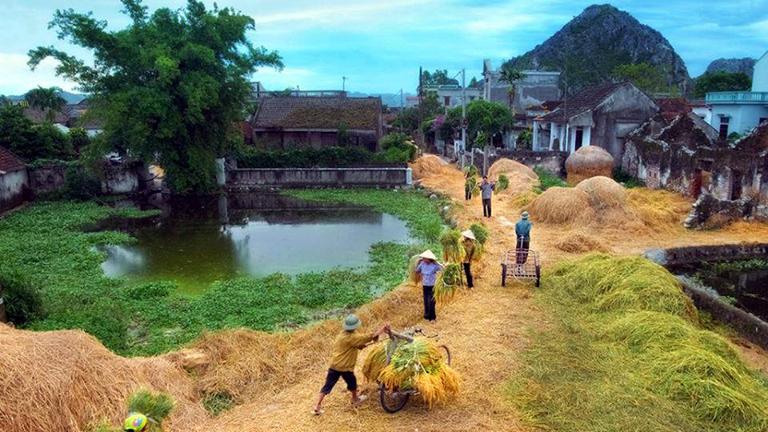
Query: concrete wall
x=743 y=117
x=256 y=178
x=13 y=186
x=760 y=75
x=120 y=179
x=623 y=111
x=46 y=179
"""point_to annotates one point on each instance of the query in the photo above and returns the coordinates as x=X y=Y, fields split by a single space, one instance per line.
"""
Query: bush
x=23 y=302
x=398 y=146
x=548 y=180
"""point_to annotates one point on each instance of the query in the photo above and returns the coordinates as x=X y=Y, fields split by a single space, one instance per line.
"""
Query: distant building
x=71 y=116
x=741 y=111
x=304 y=121
x=533 y=89
x=450 y=96
x=602 y=115
x=13 y=180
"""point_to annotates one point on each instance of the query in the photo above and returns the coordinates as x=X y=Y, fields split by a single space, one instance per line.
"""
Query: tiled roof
x=39 y=116
x=586 y=100
x=288 y=112
x=9 y=162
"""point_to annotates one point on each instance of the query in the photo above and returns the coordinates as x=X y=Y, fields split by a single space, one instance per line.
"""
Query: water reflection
x=200 y=241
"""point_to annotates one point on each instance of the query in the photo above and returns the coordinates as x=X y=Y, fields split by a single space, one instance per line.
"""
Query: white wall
x=12 y=186
x=743 y=117
x=760 y=75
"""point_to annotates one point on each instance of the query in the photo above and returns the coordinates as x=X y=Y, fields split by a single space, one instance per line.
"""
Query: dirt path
x=485 y=328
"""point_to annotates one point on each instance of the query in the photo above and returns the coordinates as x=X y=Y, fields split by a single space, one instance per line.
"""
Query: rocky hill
x=744 y=65
x=589 y=47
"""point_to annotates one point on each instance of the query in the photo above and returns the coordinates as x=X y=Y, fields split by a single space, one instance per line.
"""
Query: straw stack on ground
x=559 y=205
x=521 y=178
x=604 y=193
x=586 y=162
x=67 y=381
x=429 y=165
x=418 y=365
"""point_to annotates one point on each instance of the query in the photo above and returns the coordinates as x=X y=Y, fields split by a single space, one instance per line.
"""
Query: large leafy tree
x=47 y=100
x=509 y=74
x=721 y=81
x=438 y=77
x=486 y=119
x=170 y=88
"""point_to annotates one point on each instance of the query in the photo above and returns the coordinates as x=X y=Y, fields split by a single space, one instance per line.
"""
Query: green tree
x=438 y=77
x=644 y=76
x=17 y=133
x=485 y=119
x=78 y=139
x=510 y=75
x=4 y=101
x=411 y=119
x=169 y=88
x=46 y=100
x=721 y=81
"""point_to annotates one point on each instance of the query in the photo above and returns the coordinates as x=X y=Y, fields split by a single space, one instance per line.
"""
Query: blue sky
x=380 y=44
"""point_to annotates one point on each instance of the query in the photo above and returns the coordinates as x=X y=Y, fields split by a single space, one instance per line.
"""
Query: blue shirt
x=428 y=272
x=487 y=190
x=523 y=228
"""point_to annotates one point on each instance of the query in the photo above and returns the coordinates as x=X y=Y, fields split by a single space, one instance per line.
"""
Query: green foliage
x=80 y=184
x=78 y=139
x=47 y=100
x=627 y=352
x=451 y=243
x=548 y=180
x=30 y=141
x=45 y=242
x=480 y=232
x=472 y=171
x=156 y=406
x=525 y=140
x=169 y=88
x=438 y=77
x=485 y=119
x=721 y=81
x=502 y=183
x=644 y=76
x=396 y=147
x=23 y=302
x=627 y=180
x=217 y=403
x=409 y=120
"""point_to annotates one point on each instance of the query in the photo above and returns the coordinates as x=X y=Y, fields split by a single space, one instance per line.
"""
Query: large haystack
x=428 y=165
x=604 y=193
x=586 y=162
x=561 y=205
x=521 y=178
x=66 y=381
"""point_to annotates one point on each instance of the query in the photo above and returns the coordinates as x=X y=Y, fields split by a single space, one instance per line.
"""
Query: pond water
x=747 y=289
x=197 y=242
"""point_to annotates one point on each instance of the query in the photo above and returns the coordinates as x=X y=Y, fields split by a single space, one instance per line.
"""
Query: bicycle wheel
x=447 y=354
x=392 y=401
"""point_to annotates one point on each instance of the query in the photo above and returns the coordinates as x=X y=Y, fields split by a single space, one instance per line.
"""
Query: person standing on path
x=486 y=192
x=469 y=254
x=428 y=268
x=345 y=348
x=523 y=232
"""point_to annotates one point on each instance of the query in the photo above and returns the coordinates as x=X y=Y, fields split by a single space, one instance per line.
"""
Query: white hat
x=468 y=234
x=428 y=255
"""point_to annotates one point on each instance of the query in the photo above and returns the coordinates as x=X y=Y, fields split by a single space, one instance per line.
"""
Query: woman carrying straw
x=469 y=252
x=428 y=268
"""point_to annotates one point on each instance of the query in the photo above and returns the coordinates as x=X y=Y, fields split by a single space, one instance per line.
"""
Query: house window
x=735 y=185
x=724 y=127
x=447 y=101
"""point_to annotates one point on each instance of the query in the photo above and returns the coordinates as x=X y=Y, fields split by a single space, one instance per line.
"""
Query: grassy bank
x=45 y=248
x=625 y=351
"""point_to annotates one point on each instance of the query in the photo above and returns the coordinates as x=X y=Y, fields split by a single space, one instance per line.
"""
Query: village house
x=13 y=180
x=602 y=115
x=533 y=89
x=70 y=116
x=451 y=95
x=741 y=111
x=304 y=120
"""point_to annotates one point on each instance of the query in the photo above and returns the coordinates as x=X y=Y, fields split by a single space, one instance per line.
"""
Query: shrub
x=79 y=183
x=502 y=183
x=23 y=302
x=626 y=179
x=548 y=180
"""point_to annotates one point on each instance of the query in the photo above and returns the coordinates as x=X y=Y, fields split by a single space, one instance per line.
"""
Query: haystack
x=429 y=165
x=578 y=242
x=561 y=205
x=604 y=193
x=521 y=178
x=586 y=162
x=67 y=380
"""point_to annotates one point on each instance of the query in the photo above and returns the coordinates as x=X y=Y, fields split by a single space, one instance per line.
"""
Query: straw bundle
x=502 y=183
x=375 y=362
x=472 y=184
x=604 y=193
x=155 y=406
x=429 y=165
x=413 y=275
x=510 y=167
x=560 y=205
x=453 y=249
x=419 y=365
x=448 y=281
x=586 y=162
x=67 y=380
x=480 y=232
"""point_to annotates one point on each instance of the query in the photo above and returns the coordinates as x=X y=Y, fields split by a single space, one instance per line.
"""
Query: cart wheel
x=447 y=354
x=392 y=401
x=538 y=276
x=503 y=275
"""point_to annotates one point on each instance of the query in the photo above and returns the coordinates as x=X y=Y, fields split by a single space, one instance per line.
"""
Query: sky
x=380 y=44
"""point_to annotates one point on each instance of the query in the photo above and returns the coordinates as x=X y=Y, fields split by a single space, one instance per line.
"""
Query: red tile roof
x=289 y=112
x=585 y=100
x=9 y=162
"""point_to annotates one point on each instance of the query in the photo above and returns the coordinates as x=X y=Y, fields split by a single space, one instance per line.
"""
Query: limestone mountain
x=589 y=47
x=733 y=65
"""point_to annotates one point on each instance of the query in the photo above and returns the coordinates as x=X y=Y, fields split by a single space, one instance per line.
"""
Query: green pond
x=196 y=242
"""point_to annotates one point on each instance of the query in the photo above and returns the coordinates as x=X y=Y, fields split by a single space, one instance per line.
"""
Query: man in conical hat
x=428 y=267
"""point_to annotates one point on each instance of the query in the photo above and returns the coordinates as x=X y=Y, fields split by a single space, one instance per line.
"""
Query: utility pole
x=463 y=114
x=343 y=83
x=402 y=103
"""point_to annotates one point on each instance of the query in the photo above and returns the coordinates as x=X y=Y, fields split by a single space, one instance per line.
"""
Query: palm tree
x=46 y=100
x=509 y=74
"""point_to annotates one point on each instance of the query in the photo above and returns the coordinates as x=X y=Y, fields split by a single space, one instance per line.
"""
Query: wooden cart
x=521 y=264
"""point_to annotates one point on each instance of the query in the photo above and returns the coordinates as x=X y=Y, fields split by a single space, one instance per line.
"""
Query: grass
x=626 y=351
x=45 y=245
x=548 y=180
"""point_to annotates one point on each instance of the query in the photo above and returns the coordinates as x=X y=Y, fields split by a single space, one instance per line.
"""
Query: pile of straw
x=559 y=205
x=429 y=165
x=604 y=193
x=578 y=242
x=417 y=365
x=67 y=380
x=508 y=166
x=520 y=178
x=586 y=162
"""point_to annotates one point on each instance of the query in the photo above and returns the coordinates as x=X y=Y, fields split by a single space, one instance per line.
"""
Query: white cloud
x=17 y=78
